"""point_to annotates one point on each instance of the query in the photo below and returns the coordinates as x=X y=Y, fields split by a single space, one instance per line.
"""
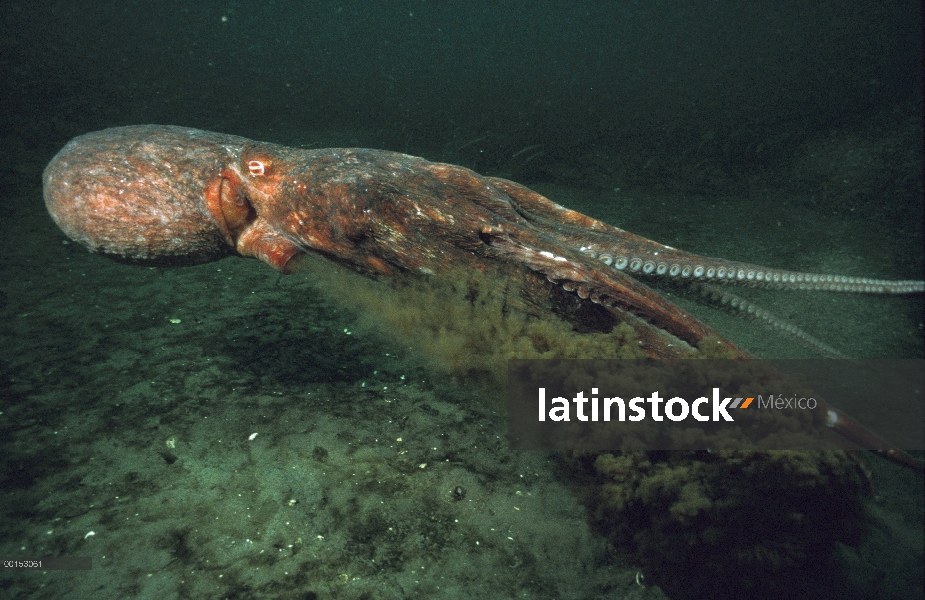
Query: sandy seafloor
x=223 y=431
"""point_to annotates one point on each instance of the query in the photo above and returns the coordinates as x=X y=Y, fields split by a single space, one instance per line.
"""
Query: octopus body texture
x=173 y=195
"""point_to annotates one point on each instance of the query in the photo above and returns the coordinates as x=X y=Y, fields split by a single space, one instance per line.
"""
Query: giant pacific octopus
x=172 y=195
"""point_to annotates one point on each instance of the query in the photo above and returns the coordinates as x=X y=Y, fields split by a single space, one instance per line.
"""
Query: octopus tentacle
x=533 y=205
x=750 y=309
x=658 y=260
x=669 y=262
x=853 y=431
x=628 y=252
x=608 y=288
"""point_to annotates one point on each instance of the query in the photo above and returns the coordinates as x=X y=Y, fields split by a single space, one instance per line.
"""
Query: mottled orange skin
x=173 y=195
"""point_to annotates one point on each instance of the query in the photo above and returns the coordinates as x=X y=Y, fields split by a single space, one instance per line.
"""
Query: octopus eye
x=256 y=167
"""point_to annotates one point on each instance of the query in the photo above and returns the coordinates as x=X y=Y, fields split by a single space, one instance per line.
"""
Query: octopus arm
x=611 y=289
x=643 y=257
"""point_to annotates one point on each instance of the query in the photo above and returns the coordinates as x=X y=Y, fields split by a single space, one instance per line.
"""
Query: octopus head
x=164 y=195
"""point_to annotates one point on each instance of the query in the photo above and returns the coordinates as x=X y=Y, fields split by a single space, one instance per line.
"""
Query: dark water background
x=783 y=133
x=711 y=79
x=773 y=132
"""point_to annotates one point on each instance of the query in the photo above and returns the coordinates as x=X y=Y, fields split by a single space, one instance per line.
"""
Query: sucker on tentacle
x=750 y=309
x=675 y=263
